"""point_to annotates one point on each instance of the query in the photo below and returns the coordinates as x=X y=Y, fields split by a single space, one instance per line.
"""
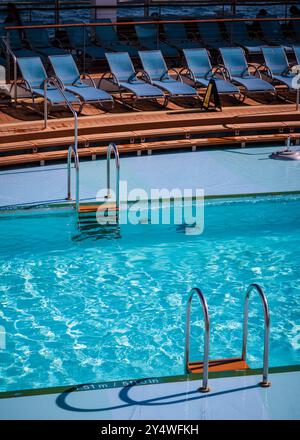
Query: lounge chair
x=40 y=42
x=176 y=35
x=211 y=35
x=34 y=77
x=200 y=71
x=277 y=65
x=273 y=34
x=238 y=72
x=108 y=38
x=238 y=34
x=157 y=71
x=66 y=70
x=127 y=79
x=80 y=40
x=148 y=39
x=15 y=42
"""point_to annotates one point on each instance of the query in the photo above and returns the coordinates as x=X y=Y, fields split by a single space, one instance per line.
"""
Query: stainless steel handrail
x=113 y=147
x=196 y=291
x=14 y=58
x=259 y=290
x=73 y=148
x=76 y=163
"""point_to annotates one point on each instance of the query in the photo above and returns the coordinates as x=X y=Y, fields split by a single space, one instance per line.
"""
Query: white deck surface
x=230 y=398
x=218 y=172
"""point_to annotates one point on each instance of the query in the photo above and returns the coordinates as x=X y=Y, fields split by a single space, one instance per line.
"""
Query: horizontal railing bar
x=126 y=23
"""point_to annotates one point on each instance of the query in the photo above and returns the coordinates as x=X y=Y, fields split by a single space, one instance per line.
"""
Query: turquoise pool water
x=98 y=310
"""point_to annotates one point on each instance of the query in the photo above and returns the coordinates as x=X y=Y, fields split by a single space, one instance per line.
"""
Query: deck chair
x=34 y=76
x=237 y=71
x=40 y=42
x=273 y=34
x=127 y=79
x=200 y=71
x=66 y=70
x=80 y=40
x=15 y=42
x=277 y=65
x=238 y=34
x=176 y=35
x=108 y=38
x=157 y=71
x=148 y=39
x=211 y=35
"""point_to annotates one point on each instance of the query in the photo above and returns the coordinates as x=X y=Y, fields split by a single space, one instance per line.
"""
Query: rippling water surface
x=97 y=310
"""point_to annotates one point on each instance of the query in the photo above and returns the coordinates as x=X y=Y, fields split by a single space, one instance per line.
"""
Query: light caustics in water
x=98 y=310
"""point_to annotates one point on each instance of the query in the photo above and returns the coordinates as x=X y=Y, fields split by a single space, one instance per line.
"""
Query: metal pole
x=113 y=147
x=84 y=36
x=56 y=18
x=265 y=382
x=45 y=104
x=196 y=291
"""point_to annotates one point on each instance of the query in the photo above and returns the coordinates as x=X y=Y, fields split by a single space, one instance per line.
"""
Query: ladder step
x=219 y=365
x=94 y=208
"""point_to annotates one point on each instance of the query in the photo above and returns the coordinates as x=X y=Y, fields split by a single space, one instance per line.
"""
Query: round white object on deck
x=285 y=155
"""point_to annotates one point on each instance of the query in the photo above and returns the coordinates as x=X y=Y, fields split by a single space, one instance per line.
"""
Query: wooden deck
x=24 y=140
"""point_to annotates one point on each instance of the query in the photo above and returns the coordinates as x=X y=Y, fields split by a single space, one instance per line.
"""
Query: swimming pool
x=78 y=311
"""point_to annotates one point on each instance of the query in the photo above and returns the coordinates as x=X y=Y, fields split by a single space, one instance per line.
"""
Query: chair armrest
x=225 y=72
x=109 y=76
x=219 y=70
x=256 y=70
x=87 y=75
x=178 y=77
x=185 y=71
x=262 y=68
x=143 y=75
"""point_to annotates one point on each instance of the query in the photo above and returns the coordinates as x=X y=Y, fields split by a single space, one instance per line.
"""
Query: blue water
x=98 y=310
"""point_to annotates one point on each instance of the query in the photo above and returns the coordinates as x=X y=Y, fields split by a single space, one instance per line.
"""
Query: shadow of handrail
x=155 y=401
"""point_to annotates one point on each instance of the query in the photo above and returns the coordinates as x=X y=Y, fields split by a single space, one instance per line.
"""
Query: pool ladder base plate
x=227 y=364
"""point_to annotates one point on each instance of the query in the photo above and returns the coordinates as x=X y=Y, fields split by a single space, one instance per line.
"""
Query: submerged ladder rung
x=230 y=364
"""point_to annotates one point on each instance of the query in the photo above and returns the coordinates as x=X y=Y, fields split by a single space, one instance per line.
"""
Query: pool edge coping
x=63 y=389
x=71 y=204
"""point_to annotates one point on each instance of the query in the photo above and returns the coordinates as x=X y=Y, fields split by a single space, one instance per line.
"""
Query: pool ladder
x=96 y=215
x=231 y=363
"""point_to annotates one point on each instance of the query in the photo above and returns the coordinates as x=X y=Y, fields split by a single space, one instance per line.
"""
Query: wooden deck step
x=119 y=124
x=140 y=135
x=43 y=157
x=230 y=364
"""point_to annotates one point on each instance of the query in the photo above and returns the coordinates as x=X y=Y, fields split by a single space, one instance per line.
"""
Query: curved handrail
x=259 y=290
x=76 y=163
x=73 y=148
x=113 y=147
x=196 y=291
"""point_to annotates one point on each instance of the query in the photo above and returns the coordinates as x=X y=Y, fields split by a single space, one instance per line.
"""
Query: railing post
x=113 y=147
x=196 y=291
x=259 y=290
